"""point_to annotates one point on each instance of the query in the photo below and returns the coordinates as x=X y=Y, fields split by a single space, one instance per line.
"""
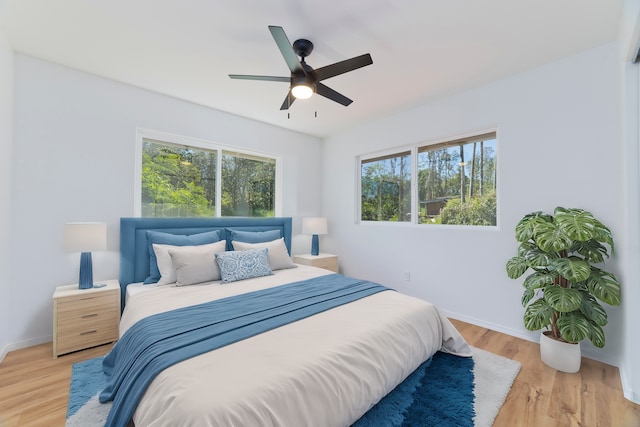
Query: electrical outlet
x=407 y=276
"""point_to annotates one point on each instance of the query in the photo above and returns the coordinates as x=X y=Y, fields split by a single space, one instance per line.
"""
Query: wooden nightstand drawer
x=74 y=322
x=88 y=304
x=86 y=335
x=84 y=318
x=328 y=263
x=322 y=260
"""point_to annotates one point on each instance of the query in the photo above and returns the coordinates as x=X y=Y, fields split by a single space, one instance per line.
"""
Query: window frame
x=414 y=150
x=221 y=149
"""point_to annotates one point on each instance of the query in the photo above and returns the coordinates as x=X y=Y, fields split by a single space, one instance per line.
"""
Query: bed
x=324 y=368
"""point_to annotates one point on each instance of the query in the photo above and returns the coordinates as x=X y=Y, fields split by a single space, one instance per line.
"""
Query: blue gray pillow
x=174 y=240
x=254 y=236
x=239 y=265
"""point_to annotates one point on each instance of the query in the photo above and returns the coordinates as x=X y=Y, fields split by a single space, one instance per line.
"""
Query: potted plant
x=562 y=293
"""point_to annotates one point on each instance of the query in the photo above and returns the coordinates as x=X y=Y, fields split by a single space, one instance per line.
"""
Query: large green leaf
x=526 y=227
x=604 y=286
x=551 y=238
x=578 y=224
x=562 y=299
x=573 y=268
x=537 y=315
x=536 y=257
x=538 y=280
x=596 y=335
x=592 y=309
x=516 y=267
x=592 y=250
x=603 y=234
x=527 y=296
x=574 y=327
x=526 y=247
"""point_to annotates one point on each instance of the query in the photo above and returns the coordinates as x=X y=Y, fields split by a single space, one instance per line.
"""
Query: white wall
x=628 y=43
x=6 y=145
x=74 y=149
x=557 y=146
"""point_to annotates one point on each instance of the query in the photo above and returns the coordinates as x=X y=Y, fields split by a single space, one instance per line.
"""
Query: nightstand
x=84 y=318
x=326 y=261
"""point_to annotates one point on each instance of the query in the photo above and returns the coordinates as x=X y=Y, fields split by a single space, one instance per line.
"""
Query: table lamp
x=314 y=226
x=85 y=237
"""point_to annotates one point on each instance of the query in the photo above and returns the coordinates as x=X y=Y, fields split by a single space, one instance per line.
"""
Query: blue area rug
x=87 y=380
x=437 y=394
x=444 y=391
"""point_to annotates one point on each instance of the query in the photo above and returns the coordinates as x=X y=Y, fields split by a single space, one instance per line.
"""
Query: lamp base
x=315 y=245
x=86 y=271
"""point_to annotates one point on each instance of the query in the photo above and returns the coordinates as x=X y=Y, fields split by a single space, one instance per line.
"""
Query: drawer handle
x=88 y=332
x=86 y=316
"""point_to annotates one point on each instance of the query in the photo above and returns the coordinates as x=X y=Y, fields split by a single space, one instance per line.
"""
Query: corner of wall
x=627 y=387
x=6 y=146
x=3 y=352
x=628 y=42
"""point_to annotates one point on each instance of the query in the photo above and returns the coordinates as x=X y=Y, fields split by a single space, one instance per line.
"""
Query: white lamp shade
x=85 y=236
x=314 y=225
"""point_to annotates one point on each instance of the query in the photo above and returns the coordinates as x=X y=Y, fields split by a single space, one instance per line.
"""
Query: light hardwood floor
x=34 y=387
x=544 y=397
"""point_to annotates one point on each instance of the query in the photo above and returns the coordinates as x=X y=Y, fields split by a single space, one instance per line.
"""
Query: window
x=248 y=185
x=453 y=182
x=200 y=179
x=386 y=188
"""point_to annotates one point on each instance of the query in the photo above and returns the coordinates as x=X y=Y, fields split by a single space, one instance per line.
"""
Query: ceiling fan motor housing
x=302 y=47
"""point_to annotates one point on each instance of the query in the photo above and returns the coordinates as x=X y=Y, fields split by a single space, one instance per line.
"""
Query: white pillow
x=196 y=264
x=276 y=252
x=165 y=265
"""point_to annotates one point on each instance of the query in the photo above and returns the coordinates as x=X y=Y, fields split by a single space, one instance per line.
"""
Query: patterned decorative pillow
x=239 y=265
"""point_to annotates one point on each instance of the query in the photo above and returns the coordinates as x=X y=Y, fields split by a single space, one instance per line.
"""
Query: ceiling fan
x=304 y=80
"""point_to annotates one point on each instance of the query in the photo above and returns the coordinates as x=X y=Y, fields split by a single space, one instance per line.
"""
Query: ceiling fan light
x=302 y=91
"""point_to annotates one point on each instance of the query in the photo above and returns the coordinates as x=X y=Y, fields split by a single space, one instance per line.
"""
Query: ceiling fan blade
x=327 y=92
x=343 y=66
x=287 y=101
x=267 y=78
x=286 y=49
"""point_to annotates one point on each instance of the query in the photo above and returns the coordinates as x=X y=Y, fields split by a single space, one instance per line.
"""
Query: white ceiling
x=422 y=50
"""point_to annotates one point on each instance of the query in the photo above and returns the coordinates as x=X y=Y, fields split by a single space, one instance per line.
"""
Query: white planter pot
x=560 y=355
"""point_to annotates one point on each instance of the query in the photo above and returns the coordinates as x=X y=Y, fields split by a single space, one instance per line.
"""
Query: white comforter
x=326 y=370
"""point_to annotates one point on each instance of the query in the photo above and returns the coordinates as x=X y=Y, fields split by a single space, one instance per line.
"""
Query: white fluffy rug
x=494 y=376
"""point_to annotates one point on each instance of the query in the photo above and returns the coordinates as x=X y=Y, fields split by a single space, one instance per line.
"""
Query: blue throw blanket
x=162 y=340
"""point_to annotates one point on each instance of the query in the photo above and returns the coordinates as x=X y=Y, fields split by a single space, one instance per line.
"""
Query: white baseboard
x=24 y=344
x=493 y=326
x=4 y=352
x=528 y=336
x=627 y=389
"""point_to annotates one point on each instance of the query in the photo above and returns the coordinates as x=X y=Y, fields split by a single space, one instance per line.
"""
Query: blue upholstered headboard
x=134 y=252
